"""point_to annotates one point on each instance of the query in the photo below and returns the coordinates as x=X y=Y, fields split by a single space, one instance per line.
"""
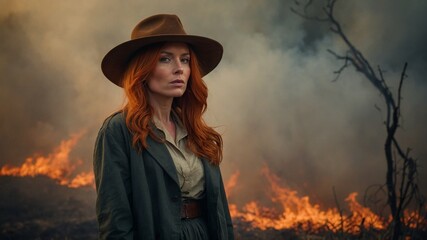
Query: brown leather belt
x=191 y=209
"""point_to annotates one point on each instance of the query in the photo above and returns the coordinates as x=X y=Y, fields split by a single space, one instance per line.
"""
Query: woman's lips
x=177 y=83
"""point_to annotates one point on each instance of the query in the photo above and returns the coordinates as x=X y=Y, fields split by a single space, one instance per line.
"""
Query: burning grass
x=290 y=217
x=295 y=217
x=56 y=165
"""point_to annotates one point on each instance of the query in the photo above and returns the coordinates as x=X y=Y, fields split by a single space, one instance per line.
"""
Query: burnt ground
x=39 y=208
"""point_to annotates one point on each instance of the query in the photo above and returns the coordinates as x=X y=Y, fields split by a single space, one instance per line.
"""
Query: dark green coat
x=138 y=193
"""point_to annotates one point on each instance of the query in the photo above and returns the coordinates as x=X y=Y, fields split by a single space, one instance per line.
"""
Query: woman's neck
x=162 y=110
x=162 y=107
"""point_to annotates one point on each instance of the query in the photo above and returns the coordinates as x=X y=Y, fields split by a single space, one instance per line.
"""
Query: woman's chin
x=177 y=93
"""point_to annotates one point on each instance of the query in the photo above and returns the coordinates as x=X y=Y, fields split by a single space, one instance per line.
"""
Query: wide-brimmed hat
x=156 y=29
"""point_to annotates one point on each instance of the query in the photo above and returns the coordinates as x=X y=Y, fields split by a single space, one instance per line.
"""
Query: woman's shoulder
x=114 y=122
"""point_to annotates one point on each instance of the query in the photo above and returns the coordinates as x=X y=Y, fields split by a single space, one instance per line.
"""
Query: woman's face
x=170 y=76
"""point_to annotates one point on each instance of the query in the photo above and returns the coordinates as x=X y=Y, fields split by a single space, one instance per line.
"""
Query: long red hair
x=203 y=140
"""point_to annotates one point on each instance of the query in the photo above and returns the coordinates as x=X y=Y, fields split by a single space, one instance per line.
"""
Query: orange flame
x=299 y=213
x=55 y=165
x=293 y=211
x=231 y=183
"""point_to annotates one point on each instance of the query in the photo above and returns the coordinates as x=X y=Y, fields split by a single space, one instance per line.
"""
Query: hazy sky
x=271 y=96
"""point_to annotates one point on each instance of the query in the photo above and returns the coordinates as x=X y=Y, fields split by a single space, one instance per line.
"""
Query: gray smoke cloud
x=271 y=96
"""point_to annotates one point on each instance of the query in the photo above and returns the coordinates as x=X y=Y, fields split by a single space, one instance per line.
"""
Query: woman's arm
x=111 y=168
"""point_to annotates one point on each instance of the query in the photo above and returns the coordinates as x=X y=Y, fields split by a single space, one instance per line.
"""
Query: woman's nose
x=178 y=68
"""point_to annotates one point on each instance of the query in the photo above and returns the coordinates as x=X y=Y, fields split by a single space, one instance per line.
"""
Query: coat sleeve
x=112 y=178
x=230 y=230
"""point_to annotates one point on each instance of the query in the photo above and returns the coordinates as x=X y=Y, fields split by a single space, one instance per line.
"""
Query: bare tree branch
x=401 y=176
x=305 y=14
x=345 y=65
x=388 y=116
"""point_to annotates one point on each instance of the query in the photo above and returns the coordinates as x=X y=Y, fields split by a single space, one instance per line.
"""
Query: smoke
x=271 y=96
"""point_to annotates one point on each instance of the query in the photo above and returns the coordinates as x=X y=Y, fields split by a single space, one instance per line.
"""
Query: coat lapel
x=161 y=154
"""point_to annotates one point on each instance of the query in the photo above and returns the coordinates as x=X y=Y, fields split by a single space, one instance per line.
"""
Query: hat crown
x=161 y=24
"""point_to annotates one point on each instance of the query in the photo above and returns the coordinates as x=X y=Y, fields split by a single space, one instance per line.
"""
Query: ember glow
x=55 y=165
x=299 y=213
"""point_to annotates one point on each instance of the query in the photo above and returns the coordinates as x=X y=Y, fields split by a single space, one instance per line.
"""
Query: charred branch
x=401 y=176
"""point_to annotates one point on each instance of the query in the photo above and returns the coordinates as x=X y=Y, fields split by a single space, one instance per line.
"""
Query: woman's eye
x=185 y=60
x=164 y=59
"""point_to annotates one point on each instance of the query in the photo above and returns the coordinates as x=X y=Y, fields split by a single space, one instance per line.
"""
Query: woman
x=156 y=162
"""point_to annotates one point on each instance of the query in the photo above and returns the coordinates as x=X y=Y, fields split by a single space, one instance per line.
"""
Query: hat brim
x=209 y=53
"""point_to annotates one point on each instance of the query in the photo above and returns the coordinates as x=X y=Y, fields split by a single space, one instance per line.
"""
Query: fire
x=231 y=183
x=81 y=180
x=297 y=212
x=55 y=165
x=291 y=210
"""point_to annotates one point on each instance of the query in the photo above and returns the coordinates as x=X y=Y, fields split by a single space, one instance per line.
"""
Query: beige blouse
x=189 y=167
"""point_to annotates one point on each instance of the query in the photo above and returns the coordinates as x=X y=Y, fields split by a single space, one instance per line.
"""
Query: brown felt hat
x=156 y=29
